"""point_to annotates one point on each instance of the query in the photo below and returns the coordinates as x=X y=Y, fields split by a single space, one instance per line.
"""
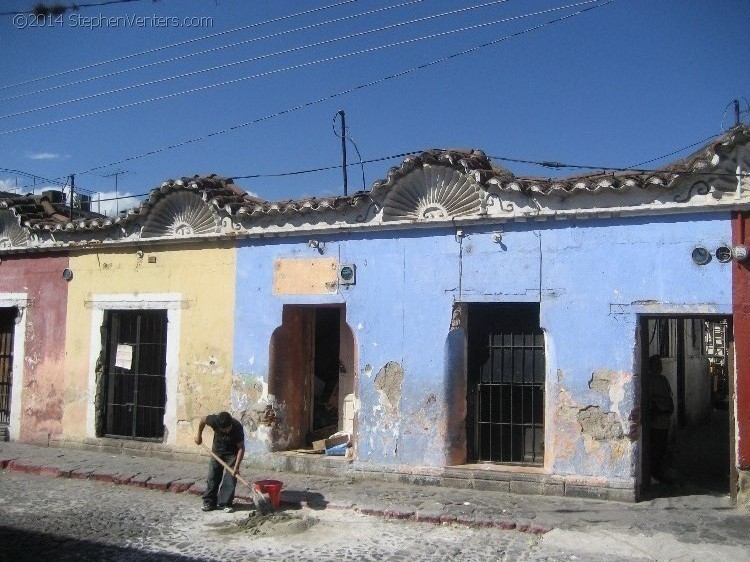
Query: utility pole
x=736 y=113
x=343 y=147
x=72 y=193
x=116 y=174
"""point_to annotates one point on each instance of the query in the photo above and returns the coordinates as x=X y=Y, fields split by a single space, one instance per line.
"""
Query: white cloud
x=45 y=156
x=105 y=203
x=7 y=185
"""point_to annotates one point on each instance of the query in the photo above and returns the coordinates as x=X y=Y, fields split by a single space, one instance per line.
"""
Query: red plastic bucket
x=272 y=488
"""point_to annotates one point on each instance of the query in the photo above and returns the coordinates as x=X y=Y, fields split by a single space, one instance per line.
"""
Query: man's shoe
x=228 y=509
x=208 y=508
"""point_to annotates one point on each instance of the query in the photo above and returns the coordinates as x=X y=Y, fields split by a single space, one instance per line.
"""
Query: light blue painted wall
x=593 y=276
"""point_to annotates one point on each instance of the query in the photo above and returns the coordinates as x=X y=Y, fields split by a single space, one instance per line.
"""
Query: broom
x=261 y=500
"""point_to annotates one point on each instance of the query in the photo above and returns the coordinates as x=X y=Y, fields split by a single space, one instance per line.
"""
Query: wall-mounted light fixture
x=318 y=245
x=67 y=274
x=497 y=237
x=740 y=253
x=723 y=254
x=139 y=254
x=701 y=256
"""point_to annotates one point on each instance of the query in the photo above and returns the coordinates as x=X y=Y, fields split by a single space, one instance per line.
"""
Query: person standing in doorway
x=661 y=407
x=229 y=446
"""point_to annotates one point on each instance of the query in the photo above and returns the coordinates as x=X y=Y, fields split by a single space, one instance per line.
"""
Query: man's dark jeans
x=220 y=484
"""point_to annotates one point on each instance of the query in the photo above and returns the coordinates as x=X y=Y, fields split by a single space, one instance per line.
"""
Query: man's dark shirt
x=225 y=442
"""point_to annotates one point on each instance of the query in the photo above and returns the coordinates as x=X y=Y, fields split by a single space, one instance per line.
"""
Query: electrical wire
x=215 y=49
x=353 y=89
x=286 y=52
x=339 y=57
x=671 y=153
x=178 y=44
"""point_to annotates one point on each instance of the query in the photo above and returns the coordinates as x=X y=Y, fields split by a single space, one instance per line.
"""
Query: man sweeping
x=229 y=446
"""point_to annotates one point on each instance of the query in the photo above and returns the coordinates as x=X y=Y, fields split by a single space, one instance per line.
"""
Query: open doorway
x=312 y=373
x=695 y=353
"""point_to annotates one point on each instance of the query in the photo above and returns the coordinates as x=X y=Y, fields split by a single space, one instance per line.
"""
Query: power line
x=284 y=52
x=336 y=57
x=351 y=90
x=214 y=49
x=178 y=44
x=673 y=152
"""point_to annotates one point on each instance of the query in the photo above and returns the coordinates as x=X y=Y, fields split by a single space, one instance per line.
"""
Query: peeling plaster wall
x=592 y=279
x=42 y=388
x=202 y=281
x=597 y=277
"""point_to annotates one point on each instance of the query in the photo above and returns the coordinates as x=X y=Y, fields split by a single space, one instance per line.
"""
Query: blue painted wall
x=592 y=278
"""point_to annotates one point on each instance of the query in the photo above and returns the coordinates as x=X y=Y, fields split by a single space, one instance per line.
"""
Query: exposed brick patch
x=447 y=519
x=162 y=485
x=81 y=473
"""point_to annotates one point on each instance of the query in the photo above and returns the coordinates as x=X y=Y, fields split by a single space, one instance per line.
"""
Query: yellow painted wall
x=204 y=276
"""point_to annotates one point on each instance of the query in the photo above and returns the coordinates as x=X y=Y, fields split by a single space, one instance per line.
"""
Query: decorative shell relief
x=432 y=193
x=12 y=234
x=181 y=214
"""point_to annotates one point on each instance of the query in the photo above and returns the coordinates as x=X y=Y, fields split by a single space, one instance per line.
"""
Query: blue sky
x=620 y=84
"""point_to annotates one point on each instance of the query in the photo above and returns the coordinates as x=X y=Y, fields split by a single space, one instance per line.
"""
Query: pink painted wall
x=40 y=277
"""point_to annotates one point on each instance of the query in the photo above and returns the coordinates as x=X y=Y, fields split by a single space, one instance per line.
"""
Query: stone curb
x=185 y=485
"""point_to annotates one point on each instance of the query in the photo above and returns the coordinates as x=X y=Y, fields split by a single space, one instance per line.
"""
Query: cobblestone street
x=67 y=519
x=64 y=504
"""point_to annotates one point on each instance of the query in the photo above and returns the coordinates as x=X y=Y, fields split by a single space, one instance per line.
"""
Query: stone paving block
x=140 y=480
x=81 y=473
x=197 y=489
x=102 y=476
x=505 y=524
x=179 y=486
x=124 y=477
x=428 y=515
x=492 y=485
x=399 y=512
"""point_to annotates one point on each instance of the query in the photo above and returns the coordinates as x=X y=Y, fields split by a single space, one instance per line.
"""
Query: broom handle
x=225 y=465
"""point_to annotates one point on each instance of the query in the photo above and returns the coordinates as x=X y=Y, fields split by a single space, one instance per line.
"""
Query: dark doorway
x=135 y=382
x=506 y=378
x=307 y=374
x=7 y=329
x=695 y=354
x=325 y=387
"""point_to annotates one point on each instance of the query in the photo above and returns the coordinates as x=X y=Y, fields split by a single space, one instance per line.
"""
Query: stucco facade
x=195 y=284
x=455 y=321
x=34 y=288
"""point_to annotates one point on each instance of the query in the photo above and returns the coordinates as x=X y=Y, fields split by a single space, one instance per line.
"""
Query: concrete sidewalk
x=690 y=517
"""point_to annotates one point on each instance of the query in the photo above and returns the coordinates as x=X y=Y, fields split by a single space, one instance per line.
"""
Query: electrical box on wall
x=347 y=274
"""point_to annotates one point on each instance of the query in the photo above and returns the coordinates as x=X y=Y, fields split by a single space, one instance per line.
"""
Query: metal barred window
x=7 y=327
x=506 y=372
